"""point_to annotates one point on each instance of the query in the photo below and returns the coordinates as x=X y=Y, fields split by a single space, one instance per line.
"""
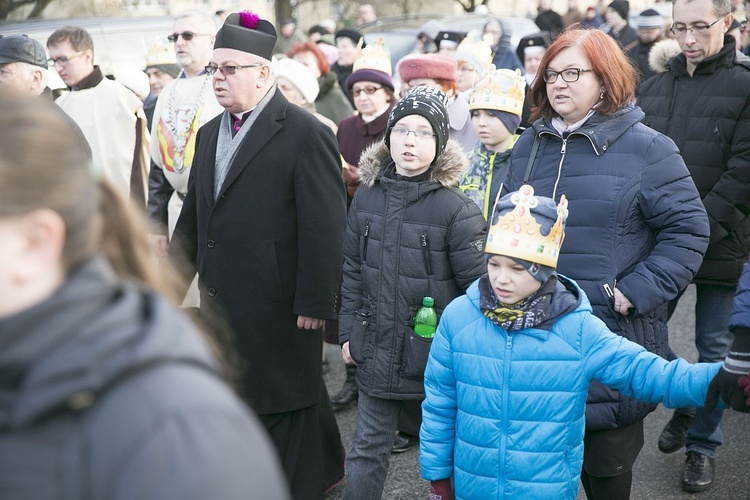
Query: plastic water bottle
x=425 y=323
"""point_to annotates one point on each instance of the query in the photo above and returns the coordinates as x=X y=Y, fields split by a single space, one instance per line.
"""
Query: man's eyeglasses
x=569 y=75
x=419 y=134
x=228 y=70
x=697 y=29
x=186 y=35
x=366 y=90
x=63 y=60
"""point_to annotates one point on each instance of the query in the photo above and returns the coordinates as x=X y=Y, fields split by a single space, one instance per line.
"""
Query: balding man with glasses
x=110 y=116
x=703 y=103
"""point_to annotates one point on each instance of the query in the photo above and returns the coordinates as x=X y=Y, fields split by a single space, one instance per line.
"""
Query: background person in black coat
x=263 y=222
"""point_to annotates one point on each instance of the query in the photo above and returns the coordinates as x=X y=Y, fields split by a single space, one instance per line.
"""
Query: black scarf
x=530 y=312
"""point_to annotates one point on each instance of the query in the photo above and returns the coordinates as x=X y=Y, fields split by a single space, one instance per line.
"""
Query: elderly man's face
x=14 y=76
x=242 y=90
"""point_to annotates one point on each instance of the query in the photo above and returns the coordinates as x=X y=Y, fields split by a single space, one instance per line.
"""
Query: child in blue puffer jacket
x=511 y=363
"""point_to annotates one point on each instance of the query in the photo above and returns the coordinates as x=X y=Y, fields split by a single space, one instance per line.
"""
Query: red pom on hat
x=249 y=19
x=432 y=66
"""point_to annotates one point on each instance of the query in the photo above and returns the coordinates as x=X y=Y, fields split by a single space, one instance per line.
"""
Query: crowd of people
x=173 y=266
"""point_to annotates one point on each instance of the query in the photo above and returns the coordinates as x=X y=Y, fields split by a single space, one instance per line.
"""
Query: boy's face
x=510 y=281
x=411 y=152
x=490 y=130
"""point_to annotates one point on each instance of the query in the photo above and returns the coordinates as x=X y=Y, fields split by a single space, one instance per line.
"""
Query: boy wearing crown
x=511 y=362
x=496 y=105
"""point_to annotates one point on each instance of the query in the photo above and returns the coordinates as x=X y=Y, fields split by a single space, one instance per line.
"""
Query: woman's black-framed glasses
x=228 y=70
x=569 y=75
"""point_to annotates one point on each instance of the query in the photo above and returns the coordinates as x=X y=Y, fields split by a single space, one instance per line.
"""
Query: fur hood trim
x=661 y=53
x=448 y=170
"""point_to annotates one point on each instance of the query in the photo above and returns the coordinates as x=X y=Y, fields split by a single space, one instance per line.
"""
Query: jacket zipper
x=505 y=425
x=559 y=167
x=426 y=252
x=367 y=237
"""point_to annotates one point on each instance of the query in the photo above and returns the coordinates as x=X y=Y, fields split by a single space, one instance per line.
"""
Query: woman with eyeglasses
x=637 y=229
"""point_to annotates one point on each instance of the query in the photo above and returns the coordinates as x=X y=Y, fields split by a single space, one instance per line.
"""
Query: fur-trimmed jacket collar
x=448 y=170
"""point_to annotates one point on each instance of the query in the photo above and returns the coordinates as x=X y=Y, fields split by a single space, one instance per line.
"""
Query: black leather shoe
x=404 y=442
x=698 y=474
x=675 y=433
x=346 y=397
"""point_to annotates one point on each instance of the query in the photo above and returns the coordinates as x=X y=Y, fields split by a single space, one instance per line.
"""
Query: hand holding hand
x=730 y=386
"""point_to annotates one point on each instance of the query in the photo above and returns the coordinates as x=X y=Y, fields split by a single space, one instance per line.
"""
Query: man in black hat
x=616 y=18
x=23 y=65
x=263 y=223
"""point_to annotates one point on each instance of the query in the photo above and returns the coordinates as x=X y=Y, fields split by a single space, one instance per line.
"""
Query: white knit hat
x=299 y=76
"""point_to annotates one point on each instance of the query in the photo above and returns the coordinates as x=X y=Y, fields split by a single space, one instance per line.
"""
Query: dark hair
x=609 y=63
x=323 y=65
x=79 y=38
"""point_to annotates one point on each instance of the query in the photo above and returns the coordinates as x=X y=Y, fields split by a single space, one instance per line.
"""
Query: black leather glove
x=727 y=382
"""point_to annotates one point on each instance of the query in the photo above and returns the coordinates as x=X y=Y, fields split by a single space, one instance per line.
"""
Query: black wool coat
x=270 y=248
x=708 y=116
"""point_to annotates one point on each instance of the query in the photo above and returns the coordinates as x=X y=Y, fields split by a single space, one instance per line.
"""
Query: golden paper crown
x=474 y=49
x=502 y=90
x=160 y=53
x=518 y=234
x=375 y=56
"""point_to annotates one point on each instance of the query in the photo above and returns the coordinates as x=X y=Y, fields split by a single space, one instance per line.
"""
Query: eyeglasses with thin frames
x=569 y=75
x=698 y=29
x=186 y=35
x=419 y=134
x=228 y=69
x=366 y=90
x=63 y=60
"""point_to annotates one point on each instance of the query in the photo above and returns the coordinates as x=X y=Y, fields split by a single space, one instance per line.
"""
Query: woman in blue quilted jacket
x=511 y=363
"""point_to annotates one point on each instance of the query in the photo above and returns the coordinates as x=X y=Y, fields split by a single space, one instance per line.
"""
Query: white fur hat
x=299 y=76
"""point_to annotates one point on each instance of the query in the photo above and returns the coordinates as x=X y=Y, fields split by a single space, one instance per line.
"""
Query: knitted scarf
x=530 y=312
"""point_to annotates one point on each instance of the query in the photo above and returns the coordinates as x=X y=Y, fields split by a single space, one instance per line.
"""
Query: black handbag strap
x=532 y=157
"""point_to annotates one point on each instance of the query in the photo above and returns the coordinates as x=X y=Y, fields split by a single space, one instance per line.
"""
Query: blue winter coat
x=636 y=222
x=504 y=413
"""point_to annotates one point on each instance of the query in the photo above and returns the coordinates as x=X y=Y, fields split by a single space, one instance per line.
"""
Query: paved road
x=656 y=476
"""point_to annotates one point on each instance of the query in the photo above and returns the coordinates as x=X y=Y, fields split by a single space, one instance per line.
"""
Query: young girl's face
x=510 y=281
x=412 y=145
x=490 y=130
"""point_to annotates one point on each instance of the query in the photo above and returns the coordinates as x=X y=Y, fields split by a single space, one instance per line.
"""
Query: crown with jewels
x=501 y=90
x=160 y=53
x=375 y=56
x=476 y=49
x=518 y=234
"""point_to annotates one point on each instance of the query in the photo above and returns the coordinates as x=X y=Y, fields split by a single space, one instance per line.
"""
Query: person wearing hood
x=637 y=230
x=502 y=52
x=108 y=391
x=331 y=102
x=508 y=372
x=474 y=59
x=410 y=234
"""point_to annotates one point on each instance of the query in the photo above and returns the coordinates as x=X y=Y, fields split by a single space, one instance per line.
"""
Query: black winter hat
x=622 y=7
x=247 y=32
x=428 y=102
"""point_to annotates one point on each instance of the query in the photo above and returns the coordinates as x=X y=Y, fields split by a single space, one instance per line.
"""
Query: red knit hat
x=433 y=66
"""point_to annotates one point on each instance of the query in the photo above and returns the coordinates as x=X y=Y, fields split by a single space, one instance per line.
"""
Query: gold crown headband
x=518 y=234
x=500 y=89
x=374 y=56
